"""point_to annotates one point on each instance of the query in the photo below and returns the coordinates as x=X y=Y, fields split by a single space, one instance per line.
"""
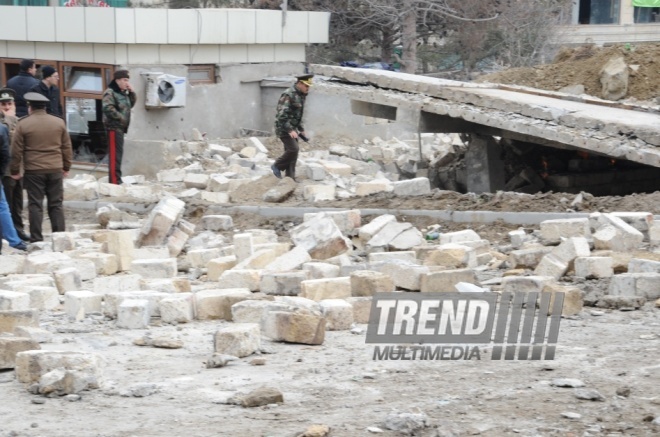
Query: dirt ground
x=582 y=65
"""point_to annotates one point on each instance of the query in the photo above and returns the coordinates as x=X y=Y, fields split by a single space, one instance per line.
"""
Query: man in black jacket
x=47 y=87
x=22 y=84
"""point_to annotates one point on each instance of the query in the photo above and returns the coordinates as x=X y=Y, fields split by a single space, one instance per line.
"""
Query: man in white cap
x=41 y=145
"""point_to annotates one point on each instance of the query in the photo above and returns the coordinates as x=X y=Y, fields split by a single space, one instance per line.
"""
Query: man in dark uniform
x=118 y=100
x=288 y=125
x=13 y=189
x=23 y=83
x=4 y=161
x=41 y=144
x=50 y=78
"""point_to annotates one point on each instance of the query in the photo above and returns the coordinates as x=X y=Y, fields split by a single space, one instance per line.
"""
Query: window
x=599 y=11
x=647 y=15
x=83 y=79
x=201 y=74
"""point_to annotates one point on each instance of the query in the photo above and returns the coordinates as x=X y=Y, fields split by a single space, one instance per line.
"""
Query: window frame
x=210 y=68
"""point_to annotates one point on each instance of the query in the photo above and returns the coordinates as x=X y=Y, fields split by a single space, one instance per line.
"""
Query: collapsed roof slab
x=554 y=119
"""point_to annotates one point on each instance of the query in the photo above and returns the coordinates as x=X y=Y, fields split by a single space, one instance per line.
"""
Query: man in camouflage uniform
x=118 y=100
x=288 y=125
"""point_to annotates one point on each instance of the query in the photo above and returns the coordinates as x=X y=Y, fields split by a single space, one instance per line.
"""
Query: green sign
x=647 y=3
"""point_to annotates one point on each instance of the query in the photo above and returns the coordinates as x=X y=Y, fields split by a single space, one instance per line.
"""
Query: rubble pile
x=240 y=171
x=320 y=278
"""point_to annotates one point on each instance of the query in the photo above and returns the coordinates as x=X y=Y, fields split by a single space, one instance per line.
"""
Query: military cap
x=7 y=95
x=306 y=79
x=35 y=97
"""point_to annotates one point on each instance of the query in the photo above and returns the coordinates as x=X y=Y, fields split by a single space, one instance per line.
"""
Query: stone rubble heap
x=215 y=173
x=321 y=278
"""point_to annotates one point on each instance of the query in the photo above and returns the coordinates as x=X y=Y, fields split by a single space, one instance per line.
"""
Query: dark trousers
x=0 y=225
x=115 y=152
x=287 y=162
x=51 y=186
x=14 y=195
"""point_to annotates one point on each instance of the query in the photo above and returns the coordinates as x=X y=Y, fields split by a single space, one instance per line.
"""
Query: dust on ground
x=582 y=65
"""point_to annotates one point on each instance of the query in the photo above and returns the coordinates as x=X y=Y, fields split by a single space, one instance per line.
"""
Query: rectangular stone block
x=10 y=320
x=121 y=244
x=42 y=298
x=216 y=304
x=155 y=268
x=113 y=300
x=217 y=223
x=244 y=278
x=373 y=187
x=317 y=193
x=514 y=284
x=105 y=263
x=646 y=285
x=291 y=260
x=118 y=283
x=37 y=334
x=240 y=340
x=294 y=327
x=133 y=314
x=252 y=311
x=368 y=231
x=594 y=267
x=78 y=304
x=613 y=233
x=528 y=258
x=348 y=222
x=318 y=270
x=258 y=260
x=338 y=314
x=368 y=283
x=14 y=301
x=243 y=246
x=199 y=258
x=67 y=279
x=169 y=285
x=446 y=280
x=406 y=255
x=12 y=264
x=412 y=187
x=404 y=274
x=321 y=237
x=216 y=267
x=151 y=252
x=553 y=230
x=331 y=288
x=160 y=221
x=451 y=256
x=637 y=265
x=459 y=237
x=11 y=346
x=361 y=308
x=282 y=284
x=177 y=309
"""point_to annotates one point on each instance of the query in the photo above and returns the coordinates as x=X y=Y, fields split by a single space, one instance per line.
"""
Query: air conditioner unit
x=164 y=90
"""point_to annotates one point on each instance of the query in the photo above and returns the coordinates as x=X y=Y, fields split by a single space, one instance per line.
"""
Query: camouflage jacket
x=289 y=112
x=8 y=121
x=117 y=108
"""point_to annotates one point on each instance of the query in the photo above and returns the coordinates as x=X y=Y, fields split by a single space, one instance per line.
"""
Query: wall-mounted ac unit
x=164 y=90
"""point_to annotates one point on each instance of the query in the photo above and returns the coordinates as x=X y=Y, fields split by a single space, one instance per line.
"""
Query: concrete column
x=627 y=14
x=484 y=165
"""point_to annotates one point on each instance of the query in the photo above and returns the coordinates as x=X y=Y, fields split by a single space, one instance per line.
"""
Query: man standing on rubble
x=41 y=145
x=118 y=100
x=288 y=125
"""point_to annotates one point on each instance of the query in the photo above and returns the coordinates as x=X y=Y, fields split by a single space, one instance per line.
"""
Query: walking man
x=41 y=144
x=13 y=189
x=288 y=125
x=118 y=100
x=50 y=78
x=23 y=83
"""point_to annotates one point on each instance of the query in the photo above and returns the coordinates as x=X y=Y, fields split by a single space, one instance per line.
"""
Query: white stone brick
x=171 y=175
x=63 y=241
x=240 y=340
x=11 y=346
x=294 y=327
x=348 y=222
x=338 y=314
x=155 y=268
x=244 y=278
x=32 y=365
x=406 y=240
x=291 y=260
x=552 y=231
x=320 y=289
x=645 y=285
x=368 y=283
x=14 y=301
x=216 y=267
x=451 y=256
x=78 y=304
x=252 y=311
x=384 y=237
x=315 y=171
x=446 y=280
x=321 y=237
x=121 y=244
x=459 y=237
x=160 y=221
x=12 y=264
x=361 y=308
x=561 y=258
x=168 y=285
x=133 y=314
x=373 y=187
x=615 y=234
x=196 y=180
x=177 y=308
x=217 y=223
x=282 y=284
x=42 y=298
x=151 y=252
x=404 y=274
x=412 y=187
x=243 y=246
x=317 y=270
x=637 y=265
x=408 y=255
x=10 y=319
x=368 y=231
x=641 y=221
x=337 y=168
x=37 y=334
x=113 y=300
x=594 y=267
x=119 y=283
x=216 y=304
x=258 y=260
x=317 y=193
x=200 y=258
x=527 y=258
x=67 y=280
x=525 y=284
x=105 y=263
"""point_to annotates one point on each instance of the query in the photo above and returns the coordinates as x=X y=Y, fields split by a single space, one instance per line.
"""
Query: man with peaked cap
x=50 y=78
x=288 y=125
x=13 y=189
x=22 y=83
x=118 y=100
x=41 y=144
